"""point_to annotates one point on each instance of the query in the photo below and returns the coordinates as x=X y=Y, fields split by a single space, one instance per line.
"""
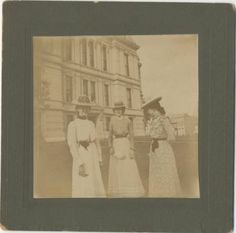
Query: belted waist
x=159 y=139
x=155 y=143
x=121 y=135
x=85 y=143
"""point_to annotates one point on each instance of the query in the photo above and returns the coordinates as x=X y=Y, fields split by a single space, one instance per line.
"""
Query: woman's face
x=118 y=112
x=83 y=112
x=153 y=112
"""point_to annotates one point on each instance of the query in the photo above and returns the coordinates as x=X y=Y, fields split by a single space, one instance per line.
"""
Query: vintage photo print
x=116 y=116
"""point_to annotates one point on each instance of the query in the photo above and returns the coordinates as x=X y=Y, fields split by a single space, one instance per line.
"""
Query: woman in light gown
x=86 y=153
x=124 y=179
x=163 y=174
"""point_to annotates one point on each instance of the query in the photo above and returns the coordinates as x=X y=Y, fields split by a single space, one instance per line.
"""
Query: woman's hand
x=112 y=151
x=82 y=170
x=131 y=153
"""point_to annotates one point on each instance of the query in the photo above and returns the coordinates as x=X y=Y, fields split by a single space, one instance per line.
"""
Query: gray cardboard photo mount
x=214 y=24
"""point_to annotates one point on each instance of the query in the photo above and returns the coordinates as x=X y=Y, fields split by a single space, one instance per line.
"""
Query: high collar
x=120 y=117
x=80 y=119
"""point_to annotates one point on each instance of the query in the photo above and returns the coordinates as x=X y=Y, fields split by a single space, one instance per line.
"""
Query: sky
x=170 y=70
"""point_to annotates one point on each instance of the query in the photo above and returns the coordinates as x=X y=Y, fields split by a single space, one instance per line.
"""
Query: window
x=68 y=88
x=68 y=50
x=85 y=87
x=176 y=131
x=93 y=91
x=129 y=98
x=106 y=94
x=131 y=122
x=104 y=58
x=183 y=131
x=139 y=70
x=108 y=119
x=126 y=56
x=91 y=53
x=84 y=51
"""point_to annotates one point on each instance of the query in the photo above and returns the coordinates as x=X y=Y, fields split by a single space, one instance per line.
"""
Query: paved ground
x=53 y=167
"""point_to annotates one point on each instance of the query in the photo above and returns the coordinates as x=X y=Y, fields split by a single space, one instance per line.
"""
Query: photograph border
x=214 y=23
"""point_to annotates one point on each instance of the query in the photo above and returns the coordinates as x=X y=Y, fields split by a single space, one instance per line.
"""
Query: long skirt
x=124 y=179
x=163 y=174
x=91 y=185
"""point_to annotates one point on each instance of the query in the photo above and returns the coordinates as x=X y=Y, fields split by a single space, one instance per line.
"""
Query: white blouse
x=79 y=130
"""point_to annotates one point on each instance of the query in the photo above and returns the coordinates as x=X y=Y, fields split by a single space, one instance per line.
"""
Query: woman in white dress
x=163 y=174
x=124 y=179
x=86 y=153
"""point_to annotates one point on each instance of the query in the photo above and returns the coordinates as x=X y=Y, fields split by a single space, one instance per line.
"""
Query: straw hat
x=119 y=105
x=82 y=101
x=149 y=103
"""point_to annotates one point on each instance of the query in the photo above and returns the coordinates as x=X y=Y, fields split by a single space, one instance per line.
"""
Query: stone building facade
x=106 y=68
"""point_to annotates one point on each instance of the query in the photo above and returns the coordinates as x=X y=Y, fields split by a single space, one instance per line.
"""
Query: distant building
x=107 y=69
x=184 y=124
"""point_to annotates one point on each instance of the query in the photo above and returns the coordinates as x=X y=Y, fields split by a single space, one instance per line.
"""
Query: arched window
x=104 y=58
x=84 y=51
x=106 y=95
x=85 y=87
x=93 y=91
x=129 y=97
x=91 y=53
x=68 y=88
x=126 y=57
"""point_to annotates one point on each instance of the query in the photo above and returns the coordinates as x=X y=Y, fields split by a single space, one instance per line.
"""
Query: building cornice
x=124 y=79
x=69 y=107
x=71 y=66
x=74 y=67
x=127 y=42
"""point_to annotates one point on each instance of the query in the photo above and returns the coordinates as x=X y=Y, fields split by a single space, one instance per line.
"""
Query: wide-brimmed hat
x=119 y=105
x=82 y=101
x=149 y=103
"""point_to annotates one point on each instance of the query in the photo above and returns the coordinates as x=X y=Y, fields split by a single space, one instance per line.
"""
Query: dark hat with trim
x=149 y=103
x=119 y=105
x=82 y=101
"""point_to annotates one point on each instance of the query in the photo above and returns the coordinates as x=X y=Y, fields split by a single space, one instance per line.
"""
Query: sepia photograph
x=116 y=116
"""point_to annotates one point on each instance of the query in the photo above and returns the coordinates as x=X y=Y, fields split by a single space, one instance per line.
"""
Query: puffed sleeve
x=72 y=142
x=147 y=127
